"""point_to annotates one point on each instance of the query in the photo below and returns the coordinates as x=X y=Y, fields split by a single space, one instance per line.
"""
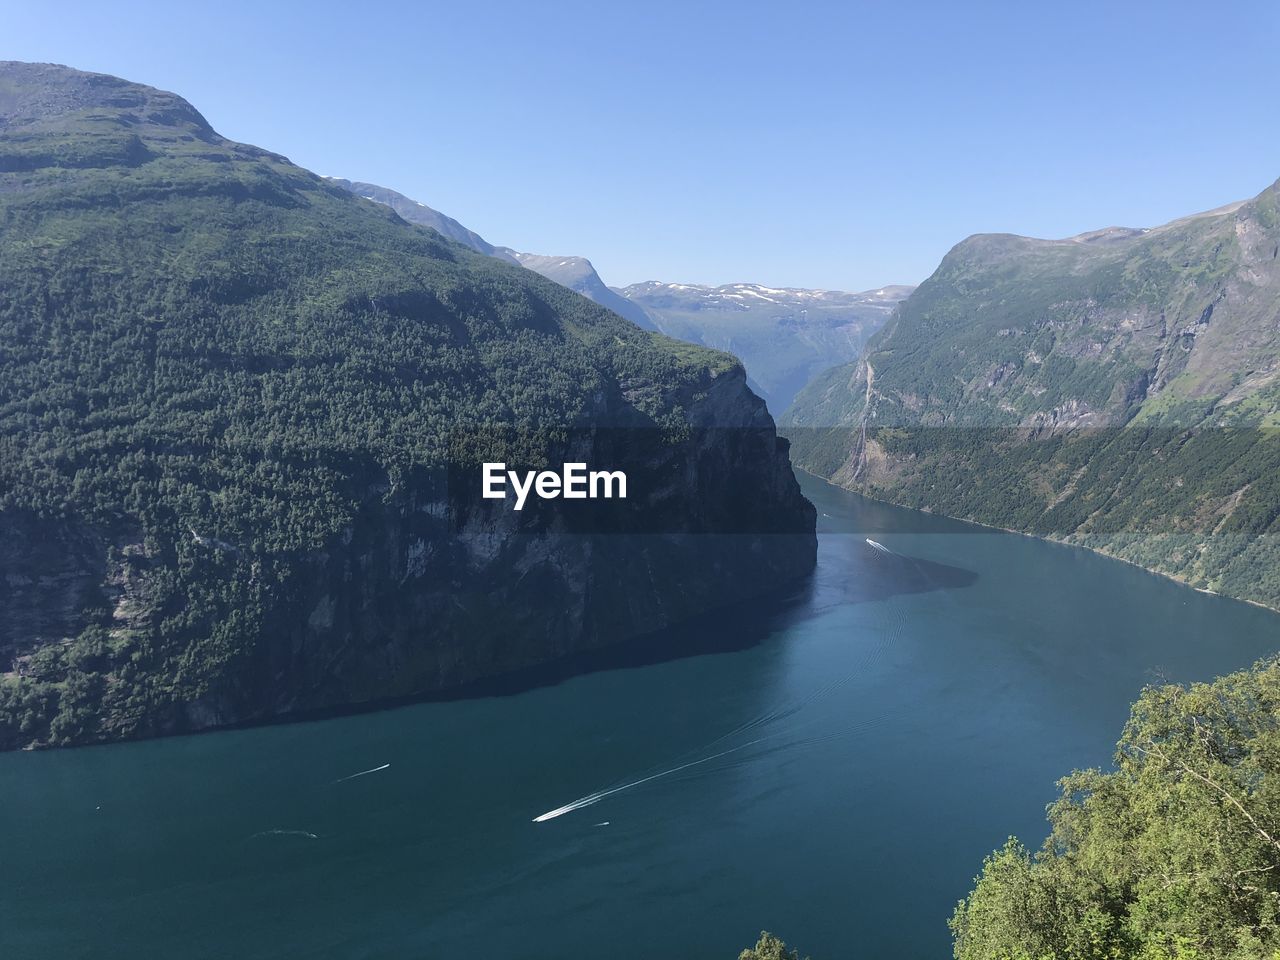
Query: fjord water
x=836 y=775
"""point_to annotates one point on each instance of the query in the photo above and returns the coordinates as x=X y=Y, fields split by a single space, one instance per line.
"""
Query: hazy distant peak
x=1108 y=235
x=579 y=275
x=543 y=263
x=784 y=335
x=415 y=211
x=892 y=292
x=748 y=294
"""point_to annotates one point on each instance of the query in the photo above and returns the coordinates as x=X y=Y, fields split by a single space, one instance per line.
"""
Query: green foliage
x=1113 y=391
x=1175 y=855
x=768 y=947
x=1201 y=505
x=210 y=357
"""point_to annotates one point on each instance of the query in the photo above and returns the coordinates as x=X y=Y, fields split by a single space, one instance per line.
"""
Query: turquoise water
x=835 y=775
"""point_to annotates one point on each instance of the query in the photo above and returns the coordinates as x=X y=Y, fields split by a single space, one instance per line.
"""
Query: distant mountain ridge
x=698 y=295
x=784 y=336
x=419 y=213
x=578 y=274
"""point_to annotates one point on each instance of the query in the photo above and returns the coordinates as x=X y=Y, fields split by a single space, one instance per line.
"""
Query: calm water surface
x=837 y=782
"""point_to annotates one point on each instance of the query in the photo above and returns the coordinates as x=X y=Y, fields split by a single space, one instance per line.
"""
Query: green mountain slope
x=237 y=408
x=414 y=211
x=576 y=273
x=1119 y=389
x=783 y=336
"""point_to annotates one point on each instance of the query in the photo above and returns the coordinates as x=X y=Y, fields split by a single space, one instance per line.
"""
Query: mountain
x=242 y=420
x=1117 y=389
x=421 y=214
x=578 y=274
x=783 y=336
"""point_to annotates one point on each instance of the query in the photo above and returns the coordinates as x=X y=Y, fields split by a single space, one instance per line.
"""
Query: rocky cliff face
x=1177 y=323
x=429 y=588
x=1117 y=389
x=240 y=416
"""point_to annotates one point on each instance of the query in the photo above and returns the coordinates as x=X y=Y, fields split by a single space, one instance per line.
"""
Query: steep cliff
x=241 y=413
x=1117 y=389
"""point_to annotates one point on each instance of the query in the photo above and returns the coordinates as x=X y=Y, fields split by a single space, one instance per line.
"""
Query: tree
x=768 y=947
x=1175 y=855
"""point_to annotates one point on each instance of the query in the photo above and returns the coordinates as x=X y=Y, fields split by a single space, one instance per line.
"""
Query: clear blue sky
x=841 y=145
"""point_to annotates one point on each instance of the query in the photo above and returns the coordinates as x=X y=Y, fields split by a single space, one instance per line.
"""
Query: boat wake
x=751 y=726
x=300 y=834
x=362 y=773
x=591 y=798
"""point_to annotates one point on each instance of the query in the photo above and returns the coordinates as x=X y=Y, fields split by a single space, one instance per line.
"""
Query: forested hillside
x=782 y=336
x=1120 y=389
x=230 y=396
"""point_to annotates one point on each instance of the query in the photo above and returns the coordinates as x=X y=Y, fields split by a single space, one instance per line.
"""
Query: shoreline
x=1044 y=539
